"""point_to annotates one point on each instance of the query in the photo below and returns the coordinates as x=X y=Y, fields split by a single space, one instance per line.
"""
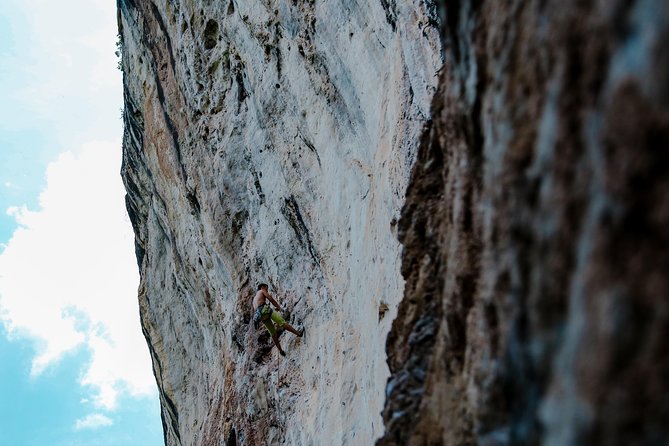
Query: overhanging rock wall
x=271 y=141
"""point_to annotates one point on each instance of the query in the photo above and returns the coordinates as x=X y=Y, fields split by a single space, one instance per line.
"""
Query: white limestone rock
x=271 y=141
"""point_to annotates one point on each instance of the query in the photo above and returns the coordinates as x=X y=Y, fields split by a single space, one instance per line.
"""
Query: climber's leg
x=270 y=327
x=280 y=322
x=291 y=329
x=275 y=338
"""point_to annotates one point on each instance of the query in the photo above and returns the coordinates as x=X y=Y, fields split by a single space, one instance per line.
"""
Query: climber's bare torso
x=261 y=298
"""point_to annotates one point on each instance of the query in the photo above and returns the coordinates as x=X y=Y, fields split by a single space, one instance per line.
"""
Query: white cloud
x=68 y=275
x=62 y=73
x=93 y=421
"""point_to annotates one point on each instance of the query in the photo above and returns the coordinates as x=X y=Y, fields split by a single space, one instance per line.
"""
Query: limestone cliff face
x=536 y=232
x=272 y=141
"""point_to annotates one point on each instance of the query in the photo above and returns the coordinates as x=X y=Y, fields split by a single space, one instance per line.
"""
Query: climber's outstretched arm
x=271 y=299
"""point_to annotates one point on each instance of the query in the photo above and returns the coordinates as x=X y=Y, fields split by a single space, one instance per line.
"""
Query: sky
x=74 y=366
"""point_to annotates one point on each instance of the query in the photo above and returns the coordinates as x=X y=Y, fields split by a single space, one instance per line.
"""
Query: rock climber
x=268 y=316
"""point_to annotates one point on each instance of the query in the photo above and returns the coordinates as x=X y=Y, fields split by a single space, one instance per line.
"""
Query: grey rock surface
x=271 y=141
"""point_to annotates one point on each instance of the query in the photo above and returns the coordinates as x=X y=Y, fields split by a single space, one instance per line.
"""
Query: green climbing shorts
x=270 y=316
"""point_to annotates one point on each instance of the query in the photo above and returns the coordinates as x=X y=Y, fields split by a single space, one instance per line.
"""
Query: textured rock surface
x=271 y=141
x=536 y=230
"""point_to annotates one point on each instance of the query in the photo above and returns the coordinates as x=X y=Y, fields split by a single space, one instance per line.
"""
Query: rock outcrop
x=272 y=141
x=536 y=232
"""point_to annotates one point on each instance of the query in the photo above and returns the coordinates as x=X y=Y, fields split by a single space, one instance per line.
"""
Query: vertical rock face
x=272 y=141
x=536 y=232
